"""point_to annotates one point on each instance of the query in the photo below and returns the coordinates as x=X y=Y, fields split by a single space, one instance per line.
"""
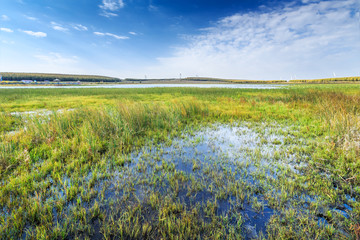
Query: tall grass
x=90 y=133
x=341 y=115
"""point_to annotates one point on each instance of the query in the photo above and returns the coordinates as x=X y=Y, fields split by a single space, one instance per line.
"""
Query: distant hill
x=11 y=76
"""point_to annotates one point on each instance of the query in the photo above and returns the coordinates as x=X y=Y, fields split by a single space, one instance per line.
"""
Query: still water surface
x=248 y=86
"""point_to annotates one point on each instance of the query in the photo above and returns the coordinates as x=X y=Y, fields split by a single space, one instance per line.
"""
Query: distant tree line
x=234 y=80
x=327 y=80
x=10 y=76
x=148 y=79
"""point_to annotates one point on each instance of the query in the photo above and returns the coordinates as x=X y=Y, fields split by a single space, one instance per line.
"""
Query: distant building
x=26 y=81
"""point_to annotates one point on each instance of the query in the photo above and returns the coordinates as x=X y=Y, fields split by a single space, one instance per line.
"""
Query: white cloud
x=108 y=14
x=108 y=7
x=133 y=33
x=56 y=58
x=6 y=30
x=112 y=5
x=110 y=35
x=116 y=36
x=313 y=39
x=35 y=34
x=99 y=34
x=59 y=27
x=153 y=8
x=5 y=18
x=80 y=27
x=30 y=18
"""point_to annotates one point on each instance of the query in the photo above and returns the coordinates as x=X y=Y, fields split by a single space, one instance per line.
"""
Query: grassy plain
x=110 y=168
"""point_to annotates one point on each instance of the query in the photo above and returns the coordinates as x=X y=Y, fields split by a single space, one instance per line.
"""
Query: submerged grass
x=85 y=174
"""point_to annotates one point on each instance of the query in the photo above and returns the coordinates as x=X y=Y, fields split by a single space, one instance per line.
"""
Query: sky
x=243 y=39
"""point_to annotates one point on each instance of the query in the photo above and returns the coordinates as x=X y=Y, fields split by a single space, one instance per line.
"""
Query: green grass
x=56 y=170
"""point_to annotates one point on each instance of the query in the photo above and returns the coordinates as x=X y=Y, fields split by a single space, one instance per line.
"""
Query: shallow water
x=206 y=156
x=244 y=86
x=42 y=112
x=232 y=167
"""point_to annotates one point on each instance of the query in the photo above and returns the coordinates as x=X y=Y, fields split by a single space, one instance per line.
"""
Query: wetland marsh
x=180 y=163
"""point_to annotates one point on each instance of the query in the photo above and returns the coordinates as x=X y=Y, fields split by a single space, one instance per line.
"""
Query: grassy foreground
x=110 y=167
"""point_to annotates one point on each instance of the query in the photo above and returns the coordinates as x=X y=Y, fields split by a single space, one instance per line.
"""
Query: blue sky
x=244 y=39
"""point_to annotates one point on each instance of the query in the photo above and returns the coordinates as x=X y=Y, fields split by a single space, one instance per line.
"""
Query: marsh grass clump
x=340 y=113
x=9 y=122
